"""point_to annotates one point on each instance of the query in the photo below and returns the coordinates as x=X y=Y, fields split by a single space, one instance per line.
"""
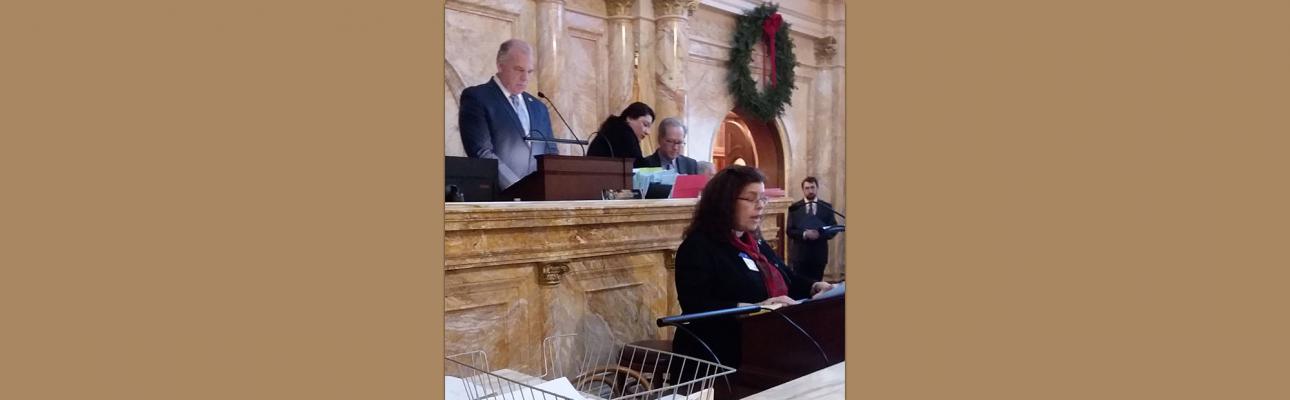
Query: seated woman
x=722 y=264
x=620 y=135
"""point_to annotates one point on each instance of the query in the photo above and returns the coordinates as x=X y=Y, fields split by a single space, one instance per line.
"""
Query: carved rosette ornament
x=825 y=48
x=619 y=8
x=549 y=274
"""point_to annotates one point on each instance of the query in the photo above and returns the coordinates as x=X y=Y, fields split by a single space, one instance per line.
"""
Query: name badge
x=748 y=262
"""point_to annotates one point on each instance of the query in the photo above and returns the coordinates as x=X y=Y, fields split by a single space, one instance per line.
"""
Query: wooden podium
x=571 y=178
x=774 y=352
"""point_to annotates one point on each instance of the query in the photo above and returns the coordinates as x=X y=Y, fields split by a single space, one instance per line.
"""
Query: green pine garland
x=748 y=31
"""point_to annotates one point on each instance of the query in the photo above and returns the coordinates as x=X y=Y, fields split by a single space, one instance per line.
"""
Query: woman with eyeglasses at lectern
x=723 y=263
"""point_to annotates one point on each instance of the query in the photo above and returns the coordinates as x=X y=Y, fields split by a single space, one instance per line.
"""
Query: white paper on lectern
x=837 y=290
x=456 y=389
x=560 y=386
x=706 y=394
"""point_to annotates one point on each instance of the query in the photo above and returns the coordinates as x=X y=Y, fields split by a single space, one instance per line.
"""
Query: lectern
x=571 y=178
x=776 y=346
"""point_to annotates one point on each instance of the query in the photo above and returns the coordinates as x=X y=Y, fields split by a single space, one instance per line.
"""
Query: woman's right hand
x=778 y=301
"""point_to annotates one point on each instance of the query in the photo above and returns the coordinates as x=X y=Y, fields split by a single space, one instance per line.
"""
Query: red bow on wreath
x=770 y=27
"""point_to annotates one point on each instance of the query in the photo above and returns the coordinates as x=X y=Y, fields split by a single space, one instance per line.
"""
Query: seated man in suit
x=497 y=116
x=671 y=139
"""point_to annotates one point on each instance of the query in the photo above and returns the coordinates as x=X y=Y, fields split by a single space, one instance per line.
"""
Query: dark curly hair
x=715 y=214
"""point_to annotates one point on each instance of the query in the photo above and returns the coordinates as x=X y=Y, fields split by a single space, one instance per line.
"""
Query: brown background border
x=1047 y=201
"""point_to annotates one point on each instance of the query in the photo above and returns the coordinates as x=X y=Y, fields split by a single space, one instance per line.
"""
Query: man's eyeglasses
x=759 y=200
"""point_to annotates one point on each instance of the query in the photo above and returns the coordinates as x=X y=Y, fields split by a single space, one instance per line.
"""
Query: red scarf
x=775 y=285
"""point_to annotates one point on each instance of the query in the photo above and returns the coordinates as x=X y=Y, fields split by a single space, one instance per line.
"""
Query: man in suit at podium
x=497 y=116
x=808 y=241
x=671 y=140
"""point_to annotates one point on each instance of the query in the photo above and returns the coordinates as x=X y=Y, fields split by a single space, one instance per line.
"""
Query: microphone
x=541 y=138
x=796 y=207
x=566 y=123
x=683 y=318
x=821 y=204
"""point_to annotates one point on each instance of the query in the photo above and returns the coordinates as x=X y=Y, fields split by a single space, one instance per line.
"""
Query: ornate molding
x=669 y=259
x=825 y=49
x=675 y=8
x=508 y=15
x=549 y=274
x=619 y=8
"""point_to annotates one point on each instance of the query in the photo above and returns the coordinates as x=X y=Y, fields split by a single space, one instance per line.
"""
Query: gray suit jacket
x=490 y=129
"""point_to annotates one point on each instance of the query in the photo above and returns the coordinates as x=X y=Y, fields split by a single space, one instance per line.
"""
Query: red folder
x=688 y=186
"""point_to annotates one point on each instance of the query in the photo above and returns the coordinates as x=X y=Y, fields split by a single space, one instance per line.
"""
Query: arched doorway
x=752 y=142
x=748 y=141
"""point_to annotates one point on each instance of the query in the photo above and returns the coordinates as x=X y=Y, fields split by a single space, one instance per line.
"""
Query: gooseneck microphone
x=566 y=123
x=796 y=207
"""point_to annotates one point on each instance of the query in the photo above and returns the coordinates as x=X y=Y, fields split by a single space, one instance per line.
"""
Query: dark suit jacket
x=799 y=221
x=490 y=129
x=684 y=165
x=710 y=275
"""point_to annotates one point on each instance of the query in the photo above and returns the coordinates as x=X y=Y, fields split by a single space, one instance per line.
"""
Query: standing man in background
x=497 y=116
x=808 y=243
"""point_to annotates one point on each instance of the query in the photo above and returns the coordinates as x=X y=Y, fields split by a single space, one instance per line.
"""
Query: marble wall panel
x=471 y=41
x=711 y=105
x=452 y=135
x=594 y=7
x=494 y=310
x=583 y=97
x=628 y=291
x=711 y=25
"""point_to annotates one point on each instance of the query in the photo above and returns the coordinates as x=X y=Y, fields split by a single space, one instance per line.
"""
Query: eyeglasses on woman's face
x=759 y=200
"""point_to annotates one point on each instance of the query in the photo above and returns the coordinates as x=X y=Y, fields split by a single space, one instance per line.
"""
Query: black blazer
x=684 y=165
x=618 y=134
x=799 y=221
x=710 y=275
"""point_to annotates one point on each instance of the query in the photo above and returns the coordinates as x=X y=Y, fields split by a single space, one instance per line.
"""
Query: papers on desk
x=560 y=387
x=706 y=394
x=459 y=389
x=643 y=177
x=837 y=290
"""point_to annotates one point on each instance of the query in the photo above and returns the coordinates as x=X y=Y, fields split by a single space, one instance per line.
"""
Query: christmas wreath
x=762 y=23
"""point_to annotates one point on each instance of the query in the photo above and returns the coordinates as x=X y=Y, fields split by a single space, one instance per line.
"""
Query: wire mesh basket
x=609 y=372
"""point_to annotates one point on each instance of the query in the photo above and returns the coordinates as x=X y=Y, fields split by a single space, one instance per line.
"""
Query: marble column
x=622 y=53
x=829 y=141
x=644 y=29
x=672 y=50
x=548 y=58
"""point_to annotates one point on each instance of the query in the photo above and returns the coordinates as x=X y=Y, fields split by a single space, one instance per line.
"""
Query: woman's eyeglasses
x=756 y=200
